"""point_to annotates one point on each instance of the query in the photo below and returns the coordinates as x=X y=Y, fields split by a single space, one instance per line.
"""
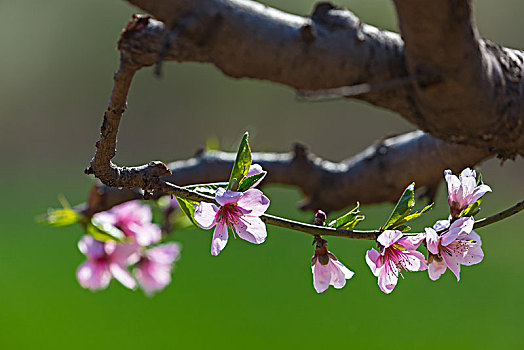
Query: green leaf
x=59 y=217
x=413 y=216
x=104 y=232
x=479 y=180
x=207 y=189
x=242 y=164
x=403 y=228
x=404 y=206
x=350 y=219
x=472 y=209
x=250 y=180
x=188 y=207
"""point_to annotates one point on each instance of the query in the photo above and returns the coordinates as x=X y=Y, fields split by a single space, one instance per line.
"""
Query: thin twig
x=500 y=216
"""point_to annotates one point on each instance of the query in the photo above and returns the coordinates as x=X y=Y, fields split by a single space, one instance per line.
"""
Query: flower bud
x=320 y=218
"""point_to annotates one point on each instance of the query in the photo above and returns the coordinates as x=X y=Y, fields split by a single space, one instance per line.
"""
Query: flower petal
x=122 y=275
x=458 y=229
x=219 y=241
x=454 y=185
x=452 y=261
x=436 y=269
x=432 y=240
x=339 y=274
x=373 y=259
x=224 y=197
x=93 y=275
x=205 y=215
x=321 y=277
x=253 y=202
x=414 y=261
x=478 y=192
x=145 y=234
x=91 y=247
x=254 y=229
x=388 y=277
x=389 y=237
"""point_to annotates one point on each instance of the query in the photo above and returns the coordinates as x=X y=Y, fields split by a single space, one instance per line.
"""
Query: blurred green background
x=56 y=65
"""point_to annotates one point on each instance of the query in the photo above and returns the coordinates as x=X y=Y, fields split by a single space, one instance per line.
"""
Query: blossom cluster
x=106 y=260
x=450 y=243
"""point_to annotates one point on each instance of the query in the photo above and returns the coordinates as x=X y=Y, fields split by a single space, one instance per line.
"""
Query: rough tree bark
x=464 y=92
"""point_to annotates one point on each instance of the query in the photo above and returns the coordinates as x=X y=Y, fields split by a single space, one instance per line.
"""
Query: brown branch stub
x=101 y=166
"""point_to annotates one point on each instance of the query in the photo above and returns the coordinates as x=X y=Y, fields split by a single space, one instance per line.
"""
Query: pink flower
x=255 y=169
x=134 y=220
x=459 y=246
x=153 y=272
x=397 y=253
x=105 y=260
x=463 y=190
x=239 y=212
x=327 y=270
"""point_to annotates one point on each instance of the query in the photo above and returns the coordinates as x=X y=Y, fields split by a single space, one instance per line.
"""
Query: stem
x=500 y=216
x=320 y=230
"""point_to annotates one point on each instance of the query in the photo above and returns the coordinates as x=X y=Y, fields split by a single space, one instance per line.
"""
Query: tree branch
x=467 y=90
x=377 y=174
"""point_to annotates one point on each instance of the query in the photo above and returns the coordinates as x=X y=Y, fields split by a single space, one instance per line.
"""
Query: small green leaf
x=188 y=207
x=353 y=223
x=208 y=189
x=60 y=217
x=479 y=180
x=404 y=206
x=472 y=209
x=242 y=164
x=403 y=228
x=104 y=232
x=249 y=181
x=413 y=216
x=347 y=218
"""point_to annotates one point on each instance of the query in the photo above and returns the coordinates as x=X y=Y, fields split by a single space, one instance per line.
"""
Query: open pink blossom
x=239 y=212
x=459 y=246
x=327 y=270
x=134 y=220
x=256 y=169
x=153 y=271
x=104 y=261
x=397 y=253
x=463 y=190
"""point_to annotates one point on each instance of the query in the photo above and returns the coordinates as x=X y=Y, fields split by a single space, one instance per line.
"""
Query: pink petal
x=468 y=173
x=224 y=197
x=412 y=242
x=458 y=229
x=339 y=274
x=414 y=261
x=453 y=263
x=132 y=212
x=91 y=247
x=321 y=277
x=122 y=275
x=153 y=276
x=454 y=185
x=373 y=259
x=436 y=269
x=254 y=229
x=205 y=215
x=145 y=234
x=124 y=254
x=93 y=275
x=253 y=202
x=388 y=277
x=473 y=256
x=473 y=236
x=219 y=241
x=389 y=237
x=478 y=192
x=432 y=240
x=165 y=253
x=441 y=225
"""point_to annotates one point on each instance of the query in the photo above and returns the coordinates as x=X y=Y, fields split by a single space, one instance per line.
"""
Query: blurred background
x=56 y=66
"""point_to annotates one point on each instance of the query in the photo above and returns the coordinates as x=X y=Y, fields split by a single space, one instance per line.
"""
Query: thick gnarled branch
x=467 y=90
x=377 y=174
